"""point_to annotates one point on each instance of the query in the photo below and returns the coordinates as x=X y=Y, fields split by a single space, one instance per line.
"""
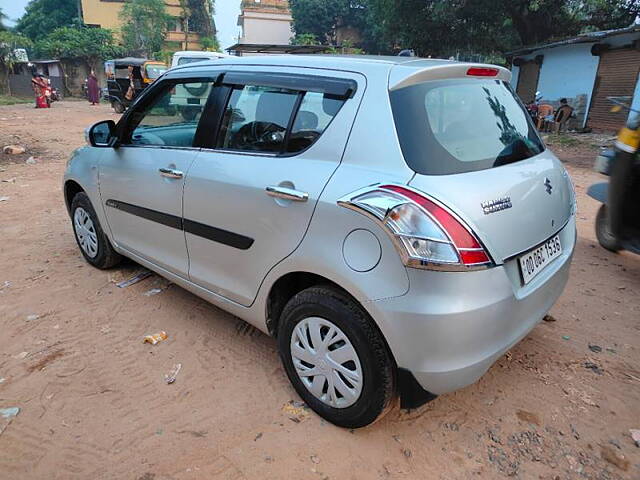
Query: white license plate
x=534 y=261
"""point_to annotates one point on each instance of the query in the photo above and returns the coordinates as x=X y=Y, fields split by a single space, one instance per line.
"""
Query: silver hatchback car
x=396 y=223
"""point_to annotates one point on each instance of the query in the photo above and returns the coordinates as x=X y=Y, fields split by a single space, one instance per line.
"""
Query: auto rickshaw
x=618 y=219
x=127 y=77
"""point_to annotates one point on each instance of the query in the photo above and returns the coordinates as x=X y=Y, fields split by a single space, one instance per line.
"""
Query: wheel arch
x=284 y=288
x=291 y=283
x=71 y=189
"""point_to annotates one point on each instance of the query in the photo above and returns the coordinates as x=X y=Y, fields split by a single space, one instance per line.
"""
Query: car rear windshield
x=462 y=125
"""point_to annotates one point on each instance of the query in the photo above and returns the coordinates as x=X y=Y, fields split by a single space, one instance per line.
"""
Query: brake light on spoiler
x=482 y=72
x=425 y=233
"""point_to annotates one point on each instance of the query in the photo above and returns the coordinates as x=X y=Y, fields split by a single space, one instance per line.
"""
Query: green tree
x=201 y=17
x=42 y=17
x=89 y=44
x=430 y=27
x=450 y=27
x=2 y=17
x=594 y=15
x=144 y=26
x=210 y=44
x=304 y=39
x=318 y=17
x=9 y=42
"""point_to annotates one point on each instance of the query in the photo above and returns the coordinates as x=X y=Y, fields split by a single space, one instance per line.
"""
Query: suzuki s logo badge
x=548 y=186
x=496 y=205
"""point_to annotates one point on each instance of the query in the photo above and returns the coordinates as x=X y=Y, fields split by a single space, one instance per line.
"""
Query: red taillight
x=469 y=248
x=470 y=257
x=482 y=72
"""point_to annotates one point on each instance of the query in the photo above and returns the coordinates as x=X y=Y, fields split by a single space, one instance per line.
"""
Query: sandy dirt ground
x=94 y=404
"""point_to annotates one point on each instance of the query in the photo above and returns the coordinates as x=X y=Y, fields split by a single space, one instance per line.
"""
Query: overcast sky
x=226 y=18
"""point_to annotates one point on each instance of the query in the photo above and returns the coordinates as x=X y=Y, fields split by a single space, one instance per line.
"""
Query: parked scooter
x=618 y=219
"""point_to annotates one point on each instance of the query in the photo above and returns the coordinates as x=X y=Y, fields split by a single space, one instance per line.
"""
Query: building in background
x=265 y=22
x=585 y=70
x=106 y=14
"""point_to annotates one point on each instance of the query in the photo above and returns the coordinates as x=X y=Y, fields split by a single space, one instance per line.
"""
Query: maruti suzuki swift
x=396 y=223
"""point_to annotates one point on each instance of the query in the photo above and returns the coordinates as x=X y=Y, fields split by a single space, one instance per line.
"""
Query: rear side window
x=462 y=125
x=277 y=119
x=256 y=119
x=315 y=114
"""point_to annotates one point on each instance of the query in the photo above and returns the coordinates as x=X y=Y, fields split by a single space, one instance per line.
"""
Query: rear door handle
x=170 y=173
x=287 y=193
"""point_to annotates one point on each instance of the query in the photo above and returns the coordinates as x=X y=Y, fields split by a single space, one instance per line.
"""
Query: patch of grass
x=563 y=140
x=11 y=100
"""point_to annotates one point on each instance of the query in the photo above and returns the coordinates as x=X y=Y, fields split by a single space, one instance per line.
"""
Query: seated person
x=545 y=116
x=562 y=116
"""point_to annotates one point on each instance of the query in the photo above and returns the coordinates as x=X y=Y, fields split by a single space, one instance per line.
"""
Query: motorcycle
x=532 y=108
x=618 y=218
x=50 y=92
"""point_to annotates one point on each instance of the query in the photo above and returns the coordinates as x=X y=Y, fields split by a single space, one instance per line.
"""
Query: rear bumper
x=452 y=326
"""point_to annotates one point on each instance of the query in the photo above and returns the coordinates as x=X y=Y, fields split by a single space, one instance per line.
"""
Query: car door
x=250 y=197
x=142 y=180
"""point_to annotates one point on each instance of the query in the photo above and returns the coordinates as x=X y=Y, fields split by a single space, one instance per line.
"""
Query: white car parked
x=189 y=99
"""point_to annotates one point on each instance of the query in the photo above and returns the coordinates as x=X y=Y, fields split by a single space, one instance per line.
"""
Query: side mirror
x=102 y=134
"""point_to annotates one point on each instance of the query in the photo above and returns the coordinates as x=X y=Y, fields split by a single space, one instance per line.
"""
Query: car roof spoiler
x=411 y=73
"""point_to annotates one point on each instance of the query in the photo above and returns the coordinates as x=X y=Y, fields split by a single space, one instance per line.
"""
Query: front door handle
x=170 y=173
x=287 y=193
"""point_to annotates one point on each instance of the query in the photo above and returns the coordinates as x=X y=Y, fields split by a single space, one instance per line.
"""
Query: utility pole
x=79 y=7
x=186 y=33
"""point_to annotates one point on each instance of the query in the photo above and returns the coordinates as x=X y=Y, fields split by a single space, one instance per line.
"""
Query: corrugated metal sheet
x=617 y=76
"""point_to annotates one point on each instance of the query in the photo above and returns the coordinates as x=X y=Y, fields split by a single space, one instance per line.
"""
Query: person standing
x=39 y=89
x=93 y=90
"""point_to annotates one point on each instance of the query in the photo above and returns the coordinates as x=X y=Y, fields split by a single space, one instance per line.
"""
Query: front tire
x=335 y=357
x=91 y=239
x=605 y=238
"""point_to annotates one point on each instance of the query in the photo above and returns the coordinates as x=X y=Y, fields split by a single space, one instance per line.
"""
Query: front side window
x=462 y=125
x=167 y=121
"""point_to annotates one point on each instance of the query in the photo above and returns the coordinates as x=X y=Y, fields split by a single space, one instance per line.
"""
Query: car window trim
x=340 y=88
x=219 y=104
x=211 y=117
x=292 y=119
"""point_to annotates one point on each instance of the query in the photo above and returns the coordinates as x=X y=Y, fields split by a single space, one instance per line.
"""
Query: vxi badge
x=492 y=206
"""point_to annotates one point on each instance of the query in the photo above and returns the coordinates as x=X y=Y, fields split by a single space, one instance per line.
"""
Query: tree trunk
x=67 y=92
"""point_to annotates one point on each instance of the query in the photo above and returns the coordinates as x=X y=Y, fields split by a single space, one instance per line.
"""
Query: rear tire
x=91 y=239
x=605 y=238
x=348 y=330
